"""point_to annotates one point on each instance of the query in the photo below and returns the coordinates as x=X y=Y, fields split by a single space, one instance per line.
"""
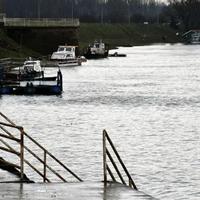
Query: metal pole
x=22 y=153
x=45 y=163
x=120 y=160
x=104 y=158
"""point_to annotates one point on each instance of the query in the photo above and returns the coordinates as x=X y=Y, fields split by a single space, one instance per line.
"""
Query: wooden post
x=22 y=153
x=104 y=158
x=45 y=164
x=130 y=183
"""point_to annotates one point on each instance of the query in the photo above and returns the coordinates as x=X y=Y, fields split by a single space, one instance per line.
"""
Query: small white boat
x=65 y=56
x=32 y=66
x=29 y=70
x=192 y=37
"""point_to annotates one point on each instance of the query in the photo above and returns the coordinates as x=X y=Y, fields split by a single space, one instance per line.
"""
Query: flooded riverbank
x=149 y=102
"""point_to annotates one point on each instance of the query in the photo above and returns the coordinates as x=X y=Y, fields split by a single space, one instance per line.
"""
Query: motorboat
x=97 y=49
x=116 y=54
x=65 y=56
x=29 y=70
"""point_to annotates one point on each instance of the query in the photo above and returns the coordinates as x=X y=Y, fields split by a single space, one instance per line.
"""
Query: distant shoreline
x=126 y=34
x=113 y=34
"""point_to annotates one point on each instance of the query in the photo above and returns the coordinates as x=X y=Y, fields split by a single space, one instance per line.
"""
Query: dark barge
x=38 y=86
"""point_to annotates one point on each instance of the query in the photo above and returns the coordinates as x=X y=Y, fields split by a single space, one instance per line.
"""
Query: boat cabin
x=192 y=36
x=32 y=66
x=97 y=48
x=64 y=53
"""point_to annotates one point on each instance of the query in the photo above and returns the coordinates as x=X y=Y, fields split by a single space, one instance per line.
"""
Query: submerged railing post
x=45 y=166
x=22 y=153
x=104 y=158
x=23 y=148
x=106 y=167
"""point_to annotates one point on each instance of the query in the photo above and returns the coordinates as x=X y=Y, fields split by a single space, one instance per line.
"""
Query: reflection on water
x=149 y=102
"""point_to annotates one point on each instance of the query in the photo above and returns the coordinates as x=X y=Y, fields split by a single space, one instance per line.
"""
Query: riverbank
x=126 y=34
x=10 y=48
x=113 y=34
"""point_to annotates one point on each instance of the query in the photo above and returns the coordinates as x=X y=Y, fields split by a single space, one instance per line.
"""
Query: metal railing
x=8 y=135
x=106 y=168
x=41 y=22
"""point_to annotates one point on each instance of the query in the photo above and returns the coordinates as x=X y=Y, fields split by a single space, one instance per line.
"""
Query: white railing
x=41 y=22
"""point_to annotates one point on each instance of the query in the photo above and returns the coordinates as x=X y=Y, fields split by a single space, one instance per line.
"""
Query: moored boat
x=65 y=56
x=97 y=50
x=116 y=54
x=41 y=86
x=29 y=70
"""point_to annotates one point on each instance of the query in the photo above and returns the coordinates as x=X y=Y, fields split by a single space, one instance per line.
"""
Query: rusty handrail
x=22 y=147
x=106 y=167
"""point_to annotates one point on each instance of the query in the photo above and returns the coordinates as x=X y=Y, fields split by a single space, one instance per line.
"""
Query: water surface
x=149 y=102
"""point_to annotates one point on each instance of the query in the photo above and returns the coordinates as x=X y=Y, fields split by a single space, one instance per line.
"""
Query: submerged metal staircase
x=7 y=129
x=109 y=159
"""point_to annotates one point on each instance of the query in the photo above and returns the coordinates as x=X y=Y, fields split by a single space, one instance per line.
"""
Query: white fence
x=41 y=22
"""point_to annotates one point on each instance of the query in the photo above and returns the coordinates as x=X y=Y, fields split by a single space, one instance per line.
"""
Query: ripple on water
x=148 y=101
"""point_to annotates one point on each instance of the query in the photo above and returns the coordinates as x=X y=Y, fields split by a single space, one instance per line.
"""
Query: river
x=149 y=103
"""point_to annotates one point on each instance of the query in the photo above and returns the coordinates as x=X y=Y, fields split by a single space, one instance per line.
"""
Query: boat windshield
x=30 y=63
x=61 y=49
x=68 y=49
x=64 y=49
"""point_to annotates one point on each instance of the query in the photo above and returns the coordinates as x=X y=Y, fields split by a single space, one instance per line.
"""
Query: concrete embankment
x=70 y=191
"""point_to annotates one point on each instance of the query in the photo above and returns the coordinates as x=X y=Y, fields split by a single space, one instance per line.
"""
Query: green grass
x=113 y=34
x=125 y=34
x=9 y=48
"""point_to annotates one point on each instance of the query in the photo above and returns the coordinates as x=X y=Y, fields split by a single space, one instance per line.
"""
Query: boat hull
x=95 y=56
x=31 y=90
x=44 y=86
x=69 y=64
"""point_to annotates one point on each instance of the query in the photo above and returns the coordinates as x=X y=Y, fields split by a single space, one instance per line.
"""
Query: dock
x=116 y=185
x=70 y=191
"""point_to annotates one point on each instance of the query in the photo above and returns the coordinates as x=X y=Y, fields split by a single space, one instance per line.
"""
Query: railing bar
x=130 y=183
x=53 y=171
x=44 y=149
x=39 y=159
x=120 y=160
x=22 y=154
x=6 y=144
x=11 y=138
x=53 y=157
x=45 y=161
x=111 y=174
x=7 y=119
x=9 y=150
x=6 y=131
x=24 y=160
x=115 y=166
x=104 y=159
x=36 y=170
x=10 y=125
